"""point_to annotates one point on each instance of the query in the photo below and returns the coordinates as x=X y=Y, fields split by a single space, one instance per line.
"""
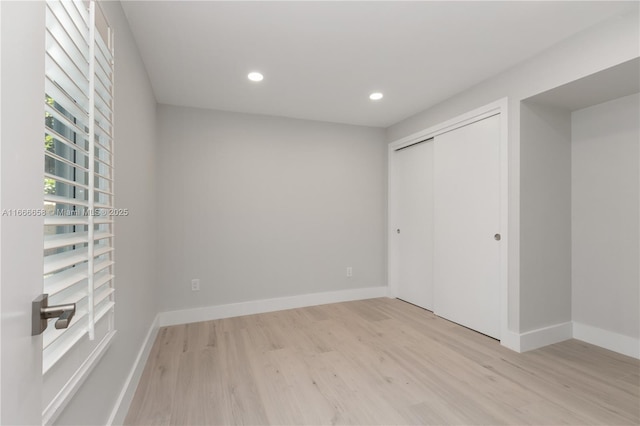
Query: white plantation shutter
x=78 y=193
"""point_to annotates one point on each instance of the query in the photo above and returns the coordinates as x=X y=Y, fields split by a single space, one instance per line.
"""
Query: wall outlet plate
x=195 y=285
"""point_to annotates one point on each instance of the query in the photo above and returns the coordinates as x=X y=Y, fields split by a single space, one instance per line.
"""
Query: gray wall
x=545 y=216
x=605 y=202
x=135 y=244
x=614 y=42
x=259 y=207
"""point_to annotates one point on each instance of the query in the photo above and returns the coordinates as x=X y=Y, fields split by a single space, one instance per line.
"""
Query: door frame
x=497 y=107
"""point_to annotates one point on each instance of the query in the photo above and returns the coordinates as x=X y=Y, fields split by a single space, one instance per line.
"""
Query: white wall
x=135 y=242
x=606 y=45
x=605 y=173
x=545 y=216
x=261 y=207
x=22 y=55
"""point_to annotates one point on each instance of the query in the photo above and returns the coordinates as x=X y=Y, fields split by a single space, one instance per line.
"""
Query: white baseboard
x=510 y=340
x=123 y=402
x=535 y=339
x=607 y=339
x=268 y=305
x=540 y=337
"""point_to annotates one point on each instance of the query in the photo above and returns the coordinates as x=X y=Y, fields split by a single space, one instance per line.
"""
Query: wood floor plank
x=191 y=389
x=241 y=393
x=374 y=362
x=158 y=380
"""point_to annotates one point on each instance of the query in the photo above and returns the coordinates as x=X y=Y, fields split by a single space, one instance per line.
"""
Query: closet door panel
x=466 y=220
x=414 y=189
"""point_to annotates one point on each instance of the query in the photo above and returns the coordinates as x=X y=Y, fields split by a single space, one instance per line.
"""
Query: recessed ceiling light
x=255 y=76
x=376 y=96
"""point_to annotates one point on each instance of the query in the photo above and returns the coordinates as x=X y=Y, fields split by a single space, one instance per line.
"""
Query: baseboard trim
x=607 y=339
x=540 y=337
x=208 y=313
x=510 y=340
x=125 y=397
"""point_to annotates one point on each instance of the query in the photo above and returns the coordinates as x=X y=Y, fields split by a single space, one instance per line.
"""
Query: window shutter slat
x=100 y=266
x=72 y=238
x=64 y=260
x=63 y=240
x=102 y=280
x=104 y=309
x=65 y=279
x=101 y=251
x=77 y=14
x=105 y=162
x=104 y=94
x=71 y=78
x=103 y=50
x=102 y=293
x=66 y=121
x=65 y=141
x=69 y=39
x=104 y=191
x=62 y=98
x=65 y=220
x=67 y=181
x=103 y=67
x=76 y=293
x=55 y=199
x=103 y=120
x=104 y=79
x=70 y=163
x=103 y=133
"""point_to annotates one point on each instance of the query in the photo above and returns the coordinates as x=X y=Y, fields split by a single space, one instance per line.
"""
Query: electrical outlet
x=195 y=284
x=349 y=271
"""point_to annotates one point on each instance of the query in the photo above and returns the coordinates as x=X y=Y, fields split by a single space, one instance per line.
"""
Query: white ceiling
x=321 y=60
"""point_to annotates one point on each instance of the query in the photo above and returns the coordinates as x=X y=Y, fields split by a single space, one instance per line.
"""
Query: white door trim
x=498 y=107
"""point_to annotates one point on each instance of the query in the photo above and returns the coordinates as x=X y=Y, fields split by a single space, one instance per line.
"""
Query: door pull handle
x=42 y=312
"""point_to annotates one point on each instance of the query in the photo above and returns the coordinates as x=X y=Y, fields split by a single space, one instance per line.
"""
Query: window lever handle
x=65 y=319
x=64 y=313
x=41 y=312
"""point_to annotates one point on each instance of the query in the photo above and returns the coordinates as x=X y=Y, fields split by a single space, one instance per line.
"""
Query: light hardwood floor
x=378 y=361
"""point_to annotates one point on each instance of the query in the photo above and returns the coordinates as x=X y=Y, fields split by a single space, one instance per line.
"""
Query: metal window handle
x=41 y=312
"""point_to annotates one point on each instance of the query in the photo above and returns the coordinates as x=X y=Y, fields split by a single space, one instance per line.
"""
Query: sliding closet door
x=414 y=227
x=466 y=221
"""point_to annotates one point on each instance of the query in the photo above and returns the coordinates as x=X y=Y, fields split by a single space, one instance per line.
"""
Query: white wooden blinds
x=78 y=176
